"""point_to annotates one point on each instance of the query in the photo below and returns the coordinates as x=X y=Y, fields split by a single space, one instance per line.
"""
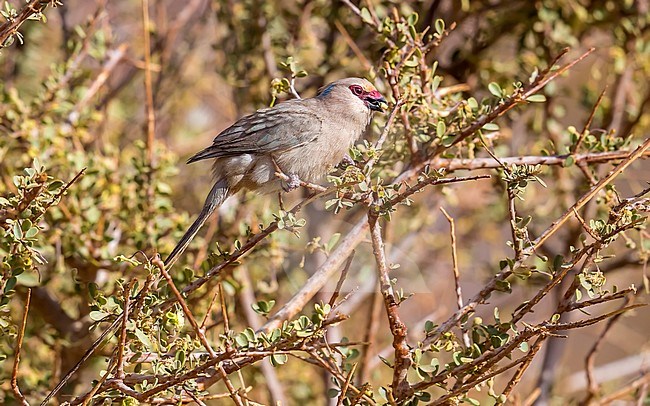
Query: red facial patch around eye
x=356 y=90
x=375 y=94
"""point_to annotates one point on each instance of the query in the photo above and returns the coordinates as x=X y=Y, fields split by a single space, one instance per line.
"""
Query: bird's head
x=355 y=89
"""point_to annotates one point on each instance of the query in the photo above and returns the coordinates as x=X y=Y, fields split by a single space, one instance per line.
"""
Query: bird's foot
x=346 y=161
x=292 y=184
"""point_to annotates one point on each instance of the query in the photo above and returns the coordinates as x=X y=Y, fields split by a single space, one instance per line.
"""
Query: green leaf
x=263 y=307
x=490 y=127
x=144 y=339
x=279 y=359
x=365 y=15
x=495 y=89
x=54 y=185
x=423 y=396
x=18 y=231
x=385 y=361
x=97 y=315
x=31 y=232
x=536 y=98
x=11 y=282
x=441 y=128
x=332 y=393
x=503 y=286
x=429 y=326
x=412 y=19
x=440 y=26
x=332 y=242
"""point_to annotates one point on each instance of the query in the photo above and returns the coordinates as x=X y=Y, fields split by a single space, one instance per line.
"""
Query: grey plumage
x=305 y=138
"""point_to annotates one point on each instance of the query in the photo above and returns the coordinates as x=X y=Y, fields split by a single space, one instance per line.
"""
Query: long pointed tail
x=216 y=197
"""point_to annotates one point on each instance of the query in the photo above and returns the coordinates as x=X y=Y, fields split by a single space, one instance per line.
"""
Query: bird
x=303 y=138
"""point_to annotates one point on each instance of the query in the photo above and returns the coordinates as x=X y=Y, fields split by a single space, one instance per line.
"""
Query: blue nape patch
x=327 y=90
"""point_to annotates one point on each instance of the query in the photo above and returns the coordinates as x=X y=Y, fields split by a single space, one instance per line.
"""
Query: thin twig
x=61 y=193
x=358 y=53
x=454 y=164
x=332 y=264
x=454 y=258
x=209 y=310
x=115 y=56
x=346 y=385
x=186 y=310
x=585 y=226
x=536 y=244
x=585 y=129
x=199 y=333
x=620 y=168
x=224 y=309
x=339 y=284
x=431 y=180
x=149 y=108
x=374 y=22
x=523 y=366
x=10 y=27
x=384 y=134
x=19 y=345
x=125 y=318
x=151 y=119
x=370 y=332
x=194 y=398
x=602 y=299
x=590 y=359
x=517 y=98
x=247 y=298
x=87 y=398
x=292 y=88
x=644 y=379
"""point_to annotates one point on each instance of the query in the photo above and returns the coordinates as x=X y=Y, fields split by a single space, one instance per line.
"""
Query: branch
x=517 y=98
x=644 y=379
x=489 y=163
x=320 y=277
x=19 y=346
x=590 y=359
x=247 y=298
x=401 y=388
x=10 y=27
x=454 y=258
x=481 y=296
x=115 y=56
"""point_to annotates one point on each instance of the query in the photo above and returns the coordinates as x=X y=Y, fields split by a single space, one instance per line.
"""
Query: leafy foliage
x=489 y=115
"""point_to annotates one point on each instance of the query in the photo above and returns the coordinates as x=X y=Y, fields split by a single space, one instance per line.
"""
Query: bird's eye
x=356 y=90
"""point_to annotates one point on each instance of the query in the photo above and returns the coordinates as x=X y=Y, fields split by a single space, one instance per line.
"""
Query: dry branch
x=401 y=388
x=33 y=8
x=455 y=164
x=19 y=345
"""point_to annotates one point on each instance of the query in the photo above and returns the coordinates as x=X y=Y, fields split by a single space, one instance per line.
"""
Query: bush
x=495 y=214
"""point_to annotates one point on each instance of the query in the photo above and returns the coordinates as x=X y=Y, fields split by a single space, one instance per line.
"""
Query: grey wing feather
x=286 y=126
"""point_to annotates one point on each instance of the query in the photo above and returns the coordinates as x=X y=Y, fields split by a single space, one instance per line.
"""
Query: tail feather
x=218 y=194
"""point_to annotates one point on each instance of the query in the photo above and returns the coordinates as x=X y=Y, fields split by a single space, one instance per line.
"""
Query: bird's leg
x=280 y=201
x=292 y=180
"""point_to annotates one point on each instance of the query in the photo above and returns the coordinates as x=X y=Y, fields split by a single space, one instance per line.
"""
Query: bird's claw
x=347 y=161
x=292 y=184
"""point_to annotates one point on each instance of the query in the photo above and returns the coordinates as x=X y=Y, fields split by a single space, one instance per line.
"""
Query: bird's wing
x=286 y=126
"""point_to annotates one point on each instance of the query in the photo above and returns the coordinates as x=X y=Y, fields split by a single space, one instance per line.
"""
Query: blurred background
x=73 y=96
